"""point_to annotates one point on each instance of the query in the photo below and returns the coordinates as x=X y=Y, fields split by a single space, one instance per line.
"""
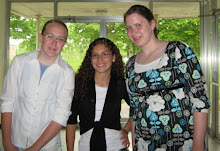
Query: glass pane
x=210 y=109
x=80 y=36
x=218 y=99
x=218 y=113
x=171 y=29
x=210 y=73
x=117 y=33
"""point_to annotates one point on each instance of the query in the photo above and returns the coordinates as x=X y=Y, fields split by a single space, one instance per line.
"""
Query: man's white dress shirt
x=35 y=102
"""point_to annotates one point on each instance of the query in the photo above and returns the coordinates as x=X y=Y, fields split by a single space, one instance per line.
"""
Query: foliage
x=82 y=34
x=22 y=28
x=186 y=30
x=25 y=29
x=117 y=33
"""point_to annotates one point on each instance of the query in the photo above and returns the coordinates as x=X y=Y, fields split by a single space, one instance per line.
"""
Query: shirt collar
x=59 y=61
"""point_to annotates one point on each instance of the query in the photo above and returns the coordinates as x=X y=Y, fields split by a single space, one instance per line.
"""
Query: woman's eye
x=128 y=28
x=138 y=25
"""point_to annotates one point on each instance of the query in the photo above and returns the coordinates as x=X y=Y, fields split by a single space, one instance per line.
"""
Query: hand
x=124 y=137
x=198 y=146
x=31 y=149
x=10 y=147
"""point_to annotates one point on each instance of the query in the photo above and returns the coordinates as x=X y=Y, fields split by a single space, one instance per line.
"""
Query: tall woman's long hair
x=86 y=71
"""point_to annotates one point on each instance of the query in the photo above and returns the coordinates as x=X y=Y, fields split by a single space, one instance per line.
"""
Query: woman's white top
x=112 y=136
x=145 y=67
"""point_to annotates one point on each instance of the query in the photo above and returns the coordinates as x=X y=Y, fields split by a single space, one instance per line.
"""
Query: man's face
x=53 y=39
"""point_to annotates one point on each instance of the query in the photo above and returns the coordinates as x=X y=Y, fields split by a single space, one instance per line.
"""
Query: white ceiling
x=161 y=9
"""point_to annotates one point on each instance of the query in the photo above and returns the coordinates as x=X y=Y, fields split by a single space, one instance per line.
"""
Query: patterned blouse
x=164 y=98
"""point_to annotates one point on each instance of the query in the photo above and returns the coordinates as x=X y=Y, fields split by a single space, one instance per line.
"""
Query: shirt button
x=92 y=100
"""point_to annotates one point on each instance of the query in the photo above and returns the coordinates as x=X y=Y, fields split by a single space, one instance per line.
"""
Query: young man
x=37 y=94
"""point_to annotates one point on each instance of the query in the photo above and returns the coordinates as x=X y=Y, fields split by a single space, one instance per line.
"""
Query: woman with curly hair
x=99 y=90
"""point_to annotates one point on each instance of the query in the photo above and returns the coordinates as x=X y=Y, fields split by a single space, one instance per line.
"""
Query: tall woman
x=99 y=90
x=169 y=104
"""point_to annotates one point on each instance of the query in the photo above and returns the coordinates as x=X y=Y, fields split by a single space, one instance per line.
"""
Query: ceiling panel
x=32 y=10
x=95 y=8
x=176 y=9
x=73 y=9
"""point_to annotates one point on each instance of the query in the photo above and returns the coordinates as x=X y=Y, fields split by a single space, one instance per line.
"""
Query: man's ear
x=40 y=37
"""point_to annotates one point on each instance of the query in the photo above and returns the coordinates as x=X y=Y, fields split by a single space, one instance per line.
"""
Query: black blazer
x=85 y=107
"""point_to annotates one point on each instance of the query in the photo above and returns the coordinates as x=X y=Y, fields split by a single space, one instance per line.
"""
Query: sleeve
x=10 y=87
x=132 y=111
x=193 y=78
x=64 y=100
x=74 y=109
x=125 y=92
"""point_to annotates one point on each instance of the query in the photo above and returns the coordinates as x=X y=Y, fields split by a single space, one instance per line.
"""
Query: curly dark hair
x=86 y=71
